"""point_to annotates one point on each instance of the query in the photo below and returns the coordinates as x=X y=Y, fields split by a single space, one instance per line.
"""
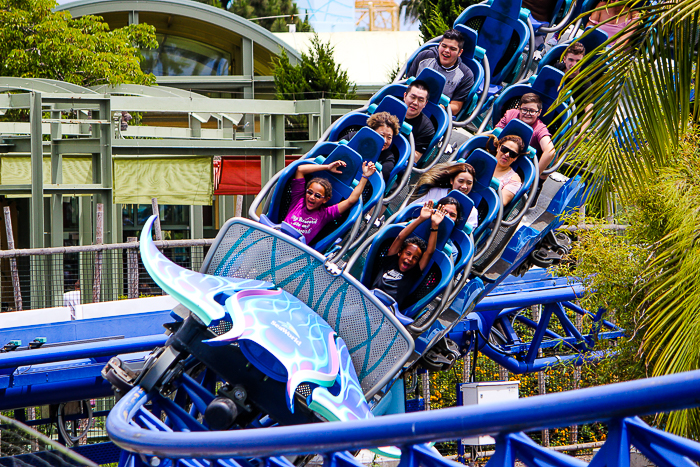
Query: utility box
x=487 y=392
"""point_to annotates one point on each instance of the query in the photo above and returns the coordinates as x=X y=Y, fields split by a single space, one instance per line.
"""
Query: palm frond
x=641 y=97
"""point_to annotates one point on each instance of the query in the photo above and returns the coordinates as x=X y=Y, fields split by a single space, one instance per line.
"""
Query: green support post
x=57 y=285
x=38 y=269
x=103 y=132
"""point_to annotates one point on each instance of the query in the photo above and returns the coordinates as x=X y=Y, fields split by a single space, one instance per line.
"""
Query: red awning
x=240 y=175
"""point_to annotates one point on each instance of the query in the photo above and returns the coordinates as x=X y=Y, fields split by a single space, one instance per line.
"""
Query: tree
x=437 y=16
x=317 y=75
x=274 y=14
x=411 y=8
x=641 y=152
x=40 y=43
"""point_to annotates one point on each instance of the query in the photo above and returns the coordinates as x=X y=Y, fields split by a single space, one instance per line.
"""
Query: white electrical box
x=487 y=392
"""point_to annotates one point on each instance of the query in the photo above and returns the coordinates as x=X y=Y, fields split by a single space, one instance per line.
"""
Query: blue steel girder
x=518 y=446
x=504 y=305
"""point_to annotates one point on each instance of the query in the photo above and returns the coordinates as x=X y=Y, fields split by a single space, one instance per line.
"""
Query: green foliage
x=443 y=387
x=40 y=43
x=411 y=8
x=393 y=72
x=649 y=278
x=317 y=76
x=641 y=148
x=437 y=16
x=265 y=9
x=650 y=84
x=609 y=264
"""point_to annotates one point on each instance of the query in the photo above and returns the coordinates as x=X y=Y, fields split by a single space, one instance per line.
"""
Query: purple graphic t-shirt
x=308 y=222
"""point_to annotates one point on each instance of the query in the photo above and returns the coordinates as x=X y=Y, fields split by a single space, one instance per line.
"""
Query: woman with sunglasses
x=308 y=212
x=508 y=149
x=529 y=112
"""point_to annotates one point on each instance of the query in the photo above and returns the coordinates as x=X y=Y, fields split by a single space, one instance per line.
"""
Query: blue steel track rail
x=618 y=405
x=557 y=294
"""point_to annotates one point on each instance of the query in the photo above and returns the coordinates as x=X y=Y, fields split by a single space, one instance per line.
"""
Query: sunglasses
x=314 y=194
x=508 y=152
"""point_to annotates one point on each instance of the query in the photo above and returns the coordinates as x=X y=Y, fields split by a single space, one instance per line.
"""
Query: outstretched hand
x=335 y=166
x=368 y=168
x=426 y=211
x=438 y=216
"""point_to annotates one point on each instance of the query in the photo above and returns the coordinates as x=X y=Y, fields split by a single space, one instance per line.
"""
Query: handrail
x=406 y=173
x=444 y=303
x=358 y=252
x=495 y=229
x=482 y=98
x=350 y=242
x=465 y=275
x=566 y=148
x=445 y=141
x=614 y=401
x=564 y=21
x=485 y=121
x=64 y=250
x=530 y=53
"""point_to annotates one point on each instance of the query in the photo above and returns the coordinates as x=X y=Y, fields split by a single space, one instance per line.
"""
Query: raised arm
x=304 y=169
x=435 y=221
x=425 y=213
x=367 y=170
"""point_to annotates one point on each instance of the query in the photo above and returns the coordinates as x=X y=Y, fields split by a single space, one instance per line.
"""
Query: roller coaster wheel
x=441 y=356
x=541 y=257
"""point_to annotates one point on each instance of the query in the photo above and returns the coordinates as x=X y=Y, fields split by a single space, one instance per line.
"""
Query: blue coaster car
x=591 y=40
x=472 y=56
x=503 y=33
x=460 y=244
x=546 y=86
x=432 y=110
x=524 y=167
x=247 y=353
x=437 y=275
x=343 y=184
x=353 y=122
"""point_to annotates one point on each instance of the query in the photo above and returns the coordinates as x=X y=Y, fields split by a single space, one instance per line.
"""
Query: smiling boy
x=446 y=60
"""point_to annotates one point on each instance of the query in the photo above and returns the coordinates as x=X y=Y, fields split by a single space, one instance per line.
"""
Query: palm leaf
x=640 y=96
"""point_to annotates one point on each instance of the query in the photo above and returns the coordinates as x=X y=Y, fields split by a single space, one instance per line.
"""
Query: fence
x=68 y=276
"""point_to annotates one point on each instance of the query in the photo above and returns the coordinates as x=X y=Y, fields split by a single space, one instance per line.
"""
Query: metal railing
x=69 y=276
x=618 y=405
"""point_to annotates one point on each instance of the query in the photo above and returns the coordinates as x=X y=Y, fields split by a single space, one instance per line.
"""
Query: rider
x=399 y=273
x=445 y=60
x=308 y=213
x=416 y=97
x=443 y=178
x=529 y=112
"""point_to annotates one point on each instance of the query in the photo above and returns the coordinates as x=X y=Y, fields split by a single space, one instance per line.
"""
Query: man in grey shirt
x=446 y=60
